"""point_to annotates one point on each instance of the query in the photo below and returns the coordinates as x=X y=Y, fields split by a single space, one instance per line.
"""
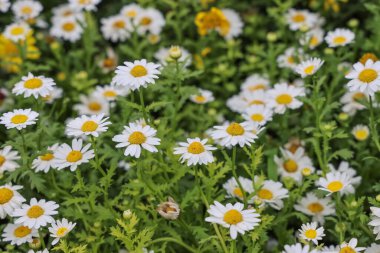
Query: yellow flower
x=212 y=20
x=10 y=56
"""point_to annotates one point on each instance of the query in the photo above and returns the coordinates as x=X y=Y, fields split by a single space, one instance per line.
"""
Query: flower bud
x=175 y=52
x=378 y=197
x=353 y=22
x=306 y=172
x=35 y=244
x=169 y=210
x=329 y=51
x=343 y=116
x=127 y=214
x=272 y=36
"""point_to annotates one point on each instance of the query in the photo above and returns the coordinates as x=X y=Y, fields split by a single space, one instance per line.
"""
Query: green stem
x=171 y=239
x=42 y=240
x=142 y=103
x=236 y=177
x=372 y=124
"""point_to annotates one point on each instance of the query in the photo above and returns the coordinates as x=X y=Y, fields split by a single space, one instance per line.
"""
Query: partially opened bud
x=175 y=52
x=169 y=210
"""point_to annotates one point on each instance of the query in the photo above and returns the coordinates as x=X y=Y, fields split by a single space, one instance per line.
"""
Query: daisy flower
x=310 y=232
x=375 y=221
x=300 y=19
x=17 y=31
x=59 y=229
x=272 y=193
x=309 y=67
x=360 y=132
x=203 y=97
x=234 y=134
x=339 y=37
x=4 y=5
x=351 y=101
x=195 y=151
x=235 y=24
x=290 y=58
x=92 y=105
x=18 y=234
x=374 y=248
x=313 y=38
x=10 y=199
x=233 y=217
x=316 y=207
x=65 y=11
x=116 y=28
x=344 y=167
x=351 y=246
x=243 y=100
x=130 y=10
x=45 y=161
x=294 y=165
x=38 y=251
x=365 y=77
x=35 y=86
x=37 y=214
x=19 y=118
x=284 y=96
x=163 y=54
x=110 y=92
x=87 y=5
x=134 y=137
x=109 y=62
x=53 y=95
x=149 y=20
x=294 y=144
x=298 y=248
x=26 y=9
x=329 y=249
x=336 y=182
x=258 y=113
x=136 y=74
x=74 y=156
x=233 y=189
x=67 y=28
x=255 y=82
x=88 y=125
x=8 y=159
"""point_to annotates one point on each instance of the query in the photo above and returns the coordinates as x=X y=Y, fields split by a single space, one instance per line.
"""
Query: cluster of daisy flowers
x=245 y=201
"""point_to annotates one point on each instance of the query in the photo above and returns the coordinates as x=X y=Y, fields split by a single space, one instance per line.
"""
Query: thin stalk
x=171 y=239
x=236 y=177
x=142 y=103
x=372 y=124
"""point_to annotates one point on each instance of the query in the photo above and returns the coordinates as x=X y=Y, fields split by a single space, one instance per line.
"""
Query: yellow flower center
x=306 y=171
x=235 y=129
x=22 y=231
x=196 y=148
x=358 y=96
x=347 y=249
x=35 y=211
x=200 y=99
x=89 y=126
x=84 y=2
x=315 y=207
x=120 y=24
x=257 y=117
x=284 y=99
x=137 y=138
x=26 y=10
x=138 y=71
x=290 y=166
x=145 y=21
x=291 y=60
x=5 y=195
x=256 y=102
x=335 y=186
x=68 y=27
x=213 y=19
x=18 y=30
x=257 y=87
x=19 y=119
x=309 y=70
x=314 y=41
x=233 y=217
x=298 y=18
x=74 y=156
x=61 y=231
x=95 y=106
x=47 y=157
x=265 y=194
x=237 y=191
x=368 y=75
x=109 y=94
x=2 y=160
x=109 y=62
x=132 y=13
x=361 y=134
x=33 y=83
x=311 y=233
x=339 y=40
